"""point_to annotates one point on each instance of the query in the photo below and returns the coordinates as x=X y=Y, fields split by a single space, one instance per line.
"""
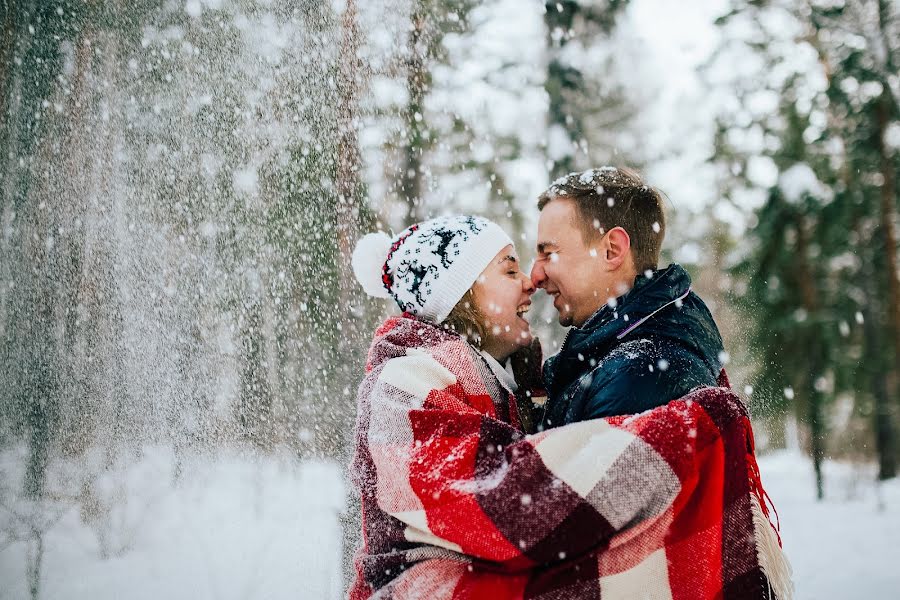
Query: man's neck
x=614 y=292
x=620 y=287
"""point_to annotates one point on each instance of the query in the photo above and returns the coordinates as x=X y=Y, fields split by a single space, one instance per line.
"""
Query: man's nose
x=538 y=276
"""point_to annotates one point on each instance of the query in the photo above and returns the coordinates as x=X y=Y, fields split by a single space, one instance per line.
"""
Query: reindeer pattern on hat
x=415 y=273
x=420 y=257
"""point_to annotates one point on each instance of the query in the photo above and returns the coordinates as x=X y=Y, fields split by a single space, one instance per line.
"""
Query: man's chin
x=566 y=320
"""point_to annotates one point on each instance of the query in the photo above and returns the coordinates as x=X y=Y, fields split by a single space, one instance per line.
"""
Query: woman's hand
x=527 y=370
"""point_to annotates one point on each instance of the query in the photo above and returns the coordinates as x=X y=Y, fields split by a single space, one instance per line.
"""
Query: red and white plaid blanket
x=458 y=503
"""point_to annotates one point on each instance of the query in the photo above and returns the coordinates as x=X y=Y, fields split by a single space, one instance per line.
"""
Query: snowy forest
x=182 y=183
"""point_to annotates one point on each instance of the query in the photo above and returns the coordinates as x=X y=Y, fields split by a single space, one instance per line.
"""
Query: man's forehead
x=559 y=212
x=556 y=219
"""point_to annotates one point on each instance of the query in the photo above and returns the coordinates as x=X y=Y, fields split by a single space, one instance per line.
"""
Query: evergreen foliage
x=820 y=272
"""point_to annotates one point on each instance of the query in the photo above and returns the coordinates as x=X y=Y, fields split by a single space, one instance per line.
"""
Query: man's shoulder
x=656 y=358
x=640 y=374
x=685 y=331
x=637 y=358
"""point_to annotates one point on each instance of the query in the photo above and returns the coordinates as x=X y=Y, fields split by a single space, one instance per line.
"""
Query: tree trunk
x=411 y=179
x=887 y=111
x=815 y=397
x=352 y=331
x=41 y=396
x=559 y=18
x=352 y=220
x=37 y=221
x=8 y=40
x=256 y=398
x=888 y=212
x=348 y=167
x=34 y=559
x=889 y=67
x=884 y=426
x=10 y=104
x=885 y=437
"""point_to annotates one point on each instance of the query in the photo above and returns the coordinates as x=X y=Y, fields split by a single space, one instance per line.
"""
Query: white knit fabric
x=431 y=265
x=504 y=372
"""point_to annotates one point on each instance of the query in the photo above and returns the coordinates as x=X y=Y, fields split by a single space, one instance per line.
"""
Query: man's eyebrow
x=544 y=246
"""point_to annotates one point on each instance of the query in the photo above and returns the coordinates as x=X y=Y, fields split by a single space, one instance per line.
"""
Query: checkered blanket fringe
x=459 y=504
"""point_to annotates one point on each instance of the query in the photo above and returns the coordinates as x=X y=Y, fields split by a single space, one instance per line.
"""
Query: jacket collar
x=635 y=311
x=636 y=306
x=648 y=296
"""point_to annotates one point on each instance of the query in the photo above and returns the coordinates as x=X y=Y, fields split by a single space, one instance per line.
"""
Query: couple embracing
x=622 y=467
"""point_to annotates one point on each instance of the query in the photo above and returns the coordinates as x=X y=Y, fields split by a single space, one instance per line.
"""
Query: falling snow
x=182 y=339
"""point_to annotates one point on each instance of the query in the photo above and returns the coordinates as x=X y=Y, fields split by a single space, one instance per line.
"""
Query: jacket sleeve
x=461 y=480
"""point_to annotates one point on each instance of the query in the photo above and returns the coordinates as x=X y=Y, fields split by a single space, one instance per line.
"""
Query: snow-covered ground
x=240 y=527
x=230 y=528
x=845 y=546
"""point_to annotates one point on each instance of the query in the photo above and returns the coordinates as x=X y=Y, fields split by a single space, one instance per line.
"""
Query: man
x=640 y=337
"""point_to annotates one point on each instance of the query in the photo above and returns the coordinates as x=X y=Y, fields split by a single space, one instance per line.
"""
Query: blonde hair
x=466 y=319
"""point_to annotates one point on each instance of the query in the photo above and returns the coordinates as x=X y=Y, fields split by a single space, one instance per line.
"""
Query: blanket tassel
x=770 y=553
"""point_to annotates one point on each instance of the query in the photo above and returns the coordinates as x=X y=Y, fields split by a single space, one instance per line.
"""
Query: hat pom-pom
x=368 y=262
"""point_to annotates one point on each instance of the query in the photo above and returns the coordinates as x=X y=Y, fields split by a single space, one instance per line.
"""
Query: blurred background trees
x=816 y=131
x=588 y=109
x=181 y=185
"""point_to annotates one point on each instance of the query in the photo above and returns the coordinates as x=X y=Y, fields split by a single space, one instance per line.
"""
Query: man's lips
x=558 y=303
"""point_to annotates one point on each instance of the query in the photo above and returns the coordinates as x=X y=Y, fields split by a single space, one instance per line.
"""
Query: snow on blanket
x=458 y=503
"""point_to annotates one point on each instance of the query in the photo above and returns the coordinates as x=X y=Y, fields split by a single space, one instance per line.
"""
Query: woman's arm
x=467 y=482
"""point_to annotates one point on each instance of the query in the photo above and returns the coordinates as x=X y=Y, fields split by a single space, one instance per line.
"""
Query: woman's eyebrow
x=509 y=258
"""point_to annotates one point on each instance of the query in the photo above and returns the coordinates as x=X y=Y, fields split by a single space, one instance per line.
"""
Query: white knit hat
x=428 y=267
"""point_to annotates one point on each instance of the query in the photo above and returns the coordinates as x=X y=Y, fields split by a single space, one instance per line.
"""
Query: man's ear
x=617 y=247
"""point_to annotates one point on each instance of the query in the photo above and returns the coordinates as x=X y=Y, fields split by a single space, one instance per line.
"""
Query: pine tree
x=828 y=132
x=584 y=105
x=415 y=134
x=34 y=243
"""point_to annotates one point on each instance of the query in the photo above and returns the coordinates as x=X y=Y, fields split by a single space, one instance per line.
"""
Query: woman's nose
x=527 y=284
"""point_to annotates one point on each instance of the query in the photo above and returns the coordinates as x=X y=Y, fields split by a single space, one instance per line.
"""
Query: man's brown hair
x=611 y=197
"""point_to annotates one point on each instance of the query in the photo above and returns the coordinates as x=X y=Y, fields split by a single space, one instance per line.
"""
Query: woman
x=463 y=296
x=457 y=278
x=458 y=503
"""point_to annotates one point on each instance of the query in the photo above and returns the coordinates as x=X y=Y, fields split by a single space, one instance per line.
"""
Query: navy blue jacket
x=656 y=345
